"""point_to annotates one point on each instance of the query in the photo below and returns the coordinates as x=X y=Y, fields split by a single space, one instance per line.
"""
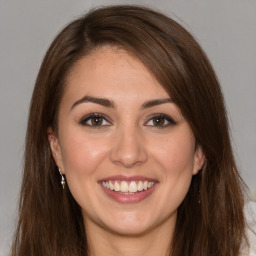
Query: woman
x=127 y=147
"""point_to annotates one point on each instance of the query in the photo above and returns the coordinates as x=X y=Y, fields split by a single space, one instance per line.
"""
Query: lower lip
x=128 y=198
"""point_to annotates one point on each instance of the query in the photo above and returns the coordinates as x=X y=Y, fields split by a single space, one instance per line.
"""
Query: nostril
x=128 y=152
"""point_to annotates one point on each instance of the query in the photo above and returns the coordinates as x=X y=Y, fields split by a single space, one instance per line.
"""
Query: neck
x=154 y=242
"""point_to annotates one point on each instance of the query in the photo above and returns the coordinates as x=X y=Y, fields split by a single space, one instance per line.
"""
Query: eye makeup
x=97 y=120
x=160 y=120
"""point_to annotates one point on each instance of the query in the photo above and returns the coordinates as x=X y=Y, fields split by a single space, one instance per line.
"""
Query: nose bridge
x=128 y=148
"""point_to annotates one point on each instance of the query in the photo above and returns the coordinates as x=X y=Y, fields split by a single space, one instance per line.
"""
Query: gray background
x=226 y=29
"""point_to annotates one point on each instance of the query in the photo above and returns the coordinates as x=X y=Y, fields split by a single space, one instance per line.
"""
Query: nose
x=128 y=148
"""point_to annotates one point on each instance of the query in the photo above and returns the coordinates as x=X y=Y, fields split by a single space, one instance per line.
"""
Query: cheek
x=82 y=160
x=81 y=155
x=176 y=160
x=176 y=153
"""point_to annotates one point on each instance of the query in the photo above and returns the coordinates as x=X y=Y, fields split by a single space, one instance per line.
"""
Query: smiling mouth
x=127 y=187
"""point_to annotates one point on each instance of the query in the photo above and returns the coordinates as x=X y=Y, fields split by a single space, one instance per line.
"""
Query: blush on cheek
x=82 y=155
x=178 y=159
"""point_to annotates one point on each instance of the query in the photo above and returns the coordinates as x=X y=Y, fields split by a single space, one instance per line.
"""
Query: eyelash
x=90 y=117
x=167 y=118
x=86 y=119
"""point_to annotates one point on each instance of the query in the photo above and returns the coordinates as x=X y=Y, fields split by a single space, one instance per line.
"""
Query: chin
x=129 y=230
x=131 y=224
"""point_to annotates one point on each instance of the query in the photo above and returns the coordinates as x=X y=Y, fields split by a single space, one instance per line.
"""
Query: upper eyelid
x=166 y=116
x=147 y=119
x=91 y=115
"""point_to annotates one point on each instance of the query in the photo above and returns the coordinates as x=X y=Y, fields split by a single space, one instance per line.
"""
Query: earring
x=63 y=182
x=199 y=191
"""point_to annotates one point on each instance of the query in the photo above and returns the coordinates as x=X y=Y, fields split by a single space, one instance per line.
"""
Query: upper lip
x=128 y=178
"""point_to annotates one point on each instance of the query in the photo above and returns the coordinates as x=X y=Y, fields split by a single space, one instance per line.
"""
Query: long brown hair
x=210 y=220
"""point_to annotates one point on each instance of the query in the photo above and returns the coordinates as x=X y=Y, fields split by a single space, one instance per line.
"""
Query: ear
x=55 y=148
x=199 y=159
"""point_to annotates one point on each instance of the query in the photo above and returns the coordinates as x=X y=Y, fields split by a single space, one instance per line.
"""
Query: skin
x=127 y=143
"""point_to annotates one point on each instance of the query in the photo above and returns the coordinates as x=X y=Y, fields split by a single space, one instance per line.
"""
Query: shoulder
x=250 y=212
x=248 y=253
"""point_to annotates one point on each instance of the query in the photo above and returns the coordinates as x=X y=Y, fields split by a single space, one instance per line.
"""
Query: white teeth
x=124 y=187
x=117 y=186
x=111 y=186
x=145 y=185
x=140 y=186
x=133 y=187
x=128 y=187
x=150 y=184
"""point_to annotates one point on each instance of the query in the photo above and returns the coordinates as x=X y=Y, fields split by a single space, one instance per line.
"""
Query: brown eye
x=160 y=120
x=94 y=120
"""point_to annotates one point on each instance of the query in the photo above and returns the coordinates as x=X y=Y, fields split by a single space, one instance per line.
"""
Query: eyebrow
x=101 y=101
x=110 y=104
x=152 y=103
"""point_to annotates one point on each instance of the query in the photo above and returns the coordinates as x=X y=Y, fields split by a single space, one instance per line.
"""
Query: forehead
x=112 y=71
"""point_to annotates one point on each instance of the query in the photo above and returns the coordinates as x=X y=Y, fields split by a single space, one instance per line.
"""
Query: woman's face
x=126 y=150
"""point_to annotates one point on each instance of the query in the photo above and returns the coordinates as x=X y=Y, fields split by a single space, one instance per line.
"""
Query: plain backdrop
x=226 y=29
